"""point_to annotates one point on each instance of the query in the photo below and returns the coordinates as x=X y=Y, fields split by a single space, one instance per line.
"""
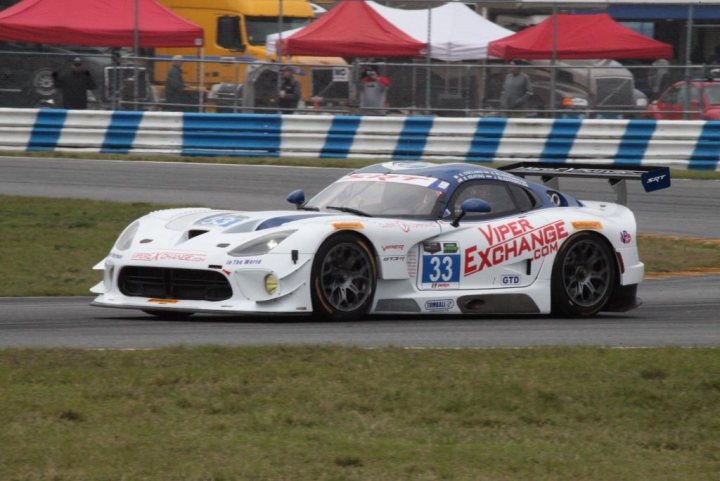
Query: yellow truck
x=235 y=34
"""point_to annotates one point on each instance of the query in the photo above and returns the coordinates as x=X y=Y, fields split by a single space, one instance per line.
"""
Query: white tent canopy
x=271 y=40
x=456 y=32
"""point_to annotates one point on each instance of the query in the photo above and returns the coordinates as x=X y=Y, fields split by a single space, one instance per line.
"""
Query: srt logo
x=658 y=178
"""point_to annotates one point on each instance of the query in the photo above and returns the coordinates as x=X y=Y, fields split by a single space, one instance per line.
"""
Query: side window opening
x=229 y=33
x=493 y=192
x=525 y=200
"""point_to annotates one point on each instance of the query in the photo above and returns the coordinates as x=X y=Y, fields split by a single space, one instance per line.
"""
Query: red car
x=704 y=101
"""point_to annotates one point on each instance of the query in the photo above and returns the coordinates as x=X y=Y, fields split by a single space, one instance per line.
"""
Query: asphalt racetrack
x=677 y=311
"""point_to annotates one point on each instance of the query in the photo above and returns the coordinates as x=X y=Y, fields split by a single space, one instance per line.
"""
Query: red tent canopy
x=352 y=29
x=579 y=37
x=97 y=23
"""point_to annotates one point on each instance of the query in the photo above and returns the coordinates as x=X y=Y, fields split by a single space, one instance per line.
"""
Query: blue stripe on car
x=278 y=221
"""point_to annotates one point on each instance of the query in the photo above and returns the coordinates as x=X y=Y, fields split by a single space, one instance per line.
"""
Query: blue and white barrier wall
x=691 y=144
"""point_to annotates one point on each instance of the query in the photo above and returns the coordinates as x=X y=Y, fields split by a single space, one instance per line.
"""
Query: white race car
x=397 y=237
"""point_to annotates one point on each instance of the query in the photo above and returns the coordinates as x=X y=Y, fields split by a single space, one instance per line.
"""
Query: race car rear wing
x=652 y=178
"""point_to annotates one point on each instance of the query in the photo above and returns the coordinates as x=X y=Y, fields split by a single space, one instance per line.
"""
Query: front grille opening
x=165 y=283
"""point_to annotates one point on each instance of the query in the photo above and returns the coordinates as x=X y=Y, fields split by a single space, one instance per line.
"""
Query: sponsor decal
x=393 y=259
x=168 y=256
x=656 y=179
x=625 y=237
x=412 y=263
x=439 y=304
x=499 y=175
x=450 y=248
x=221 y=220
x=394 y=178
x=441 y=271
x=348 y=225
x=163 y=301
x=513 y=241
x=587 y=224
x=243 y=262
x=407 y=226
x=393 y=247
x=510 y=280
x=431 y=247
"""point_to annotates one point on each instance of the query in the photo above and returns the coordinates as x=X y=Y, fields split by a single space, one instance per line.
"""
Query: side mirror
x=477 y=206
x=296 y=197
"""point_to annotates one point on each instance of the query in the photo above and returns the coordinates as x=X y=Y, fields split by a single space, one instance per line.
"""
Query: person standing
x=372 y=90
x=74 y=84
x=659 y=77
x=175 y=84
x=516 y=90
x=289 y=94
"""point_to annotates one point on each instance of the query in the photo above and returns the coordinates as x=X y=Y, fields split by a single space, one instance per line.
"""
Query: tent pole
x=136 y=28
x=136 y=52
x=201 y=77
x=279 y=45
x=553 y=59
x=688 y=50
x=428 y=69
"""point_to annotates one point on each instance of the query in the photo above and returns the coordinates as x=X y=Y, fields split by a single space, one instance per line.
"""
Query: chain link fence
x=586 y=89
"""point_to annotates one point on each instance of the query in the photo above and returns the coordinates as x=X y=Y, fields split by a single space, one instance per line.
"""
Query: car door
x=667 y=106
x=503 y=248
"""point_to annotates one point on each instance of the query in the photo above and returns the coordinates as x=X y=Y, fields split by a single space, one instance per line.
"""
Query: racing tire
x=583 y=276
x=343 y=278
x=168 y=315
x=42 y=84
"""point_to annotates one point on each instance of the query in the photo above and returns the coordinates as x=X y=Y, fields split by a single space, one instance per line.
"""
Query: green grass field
x=324 y=413
x=51 y=245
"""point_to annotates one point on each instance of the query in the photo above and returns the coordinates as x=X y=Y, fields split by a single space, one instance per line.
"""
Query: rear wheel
x=583 y=276
x=344 y=276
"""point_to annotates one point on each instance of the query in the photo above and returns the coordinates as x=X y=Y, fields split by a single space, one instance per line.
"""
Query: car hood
x=218 y=231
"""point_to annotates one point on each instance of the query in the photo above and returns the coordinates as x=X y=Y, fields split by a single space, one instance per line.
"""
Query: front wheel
x=583 y=276
x=344 y=276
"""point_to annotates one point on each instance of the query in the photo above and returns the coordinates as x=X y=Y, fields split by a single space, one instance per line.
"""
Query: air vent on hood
x=196 y=232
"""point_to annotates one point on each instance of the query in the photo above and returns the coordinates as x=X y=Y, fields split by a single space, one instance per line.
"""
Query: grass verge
x=50 y=245
x=290 y=161
x=326 y=413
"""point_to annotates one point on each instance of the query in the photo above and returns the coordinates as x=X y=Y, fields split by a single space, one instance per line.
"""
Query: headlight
x=125 y=240
x=262 y=245
x=271 y=284
x=574 y=102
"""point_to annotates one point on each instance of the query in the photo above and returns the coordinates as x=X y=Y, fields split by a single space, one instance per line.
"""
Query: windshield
x=383 y=195
x=713 y=94
x=260 y=27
